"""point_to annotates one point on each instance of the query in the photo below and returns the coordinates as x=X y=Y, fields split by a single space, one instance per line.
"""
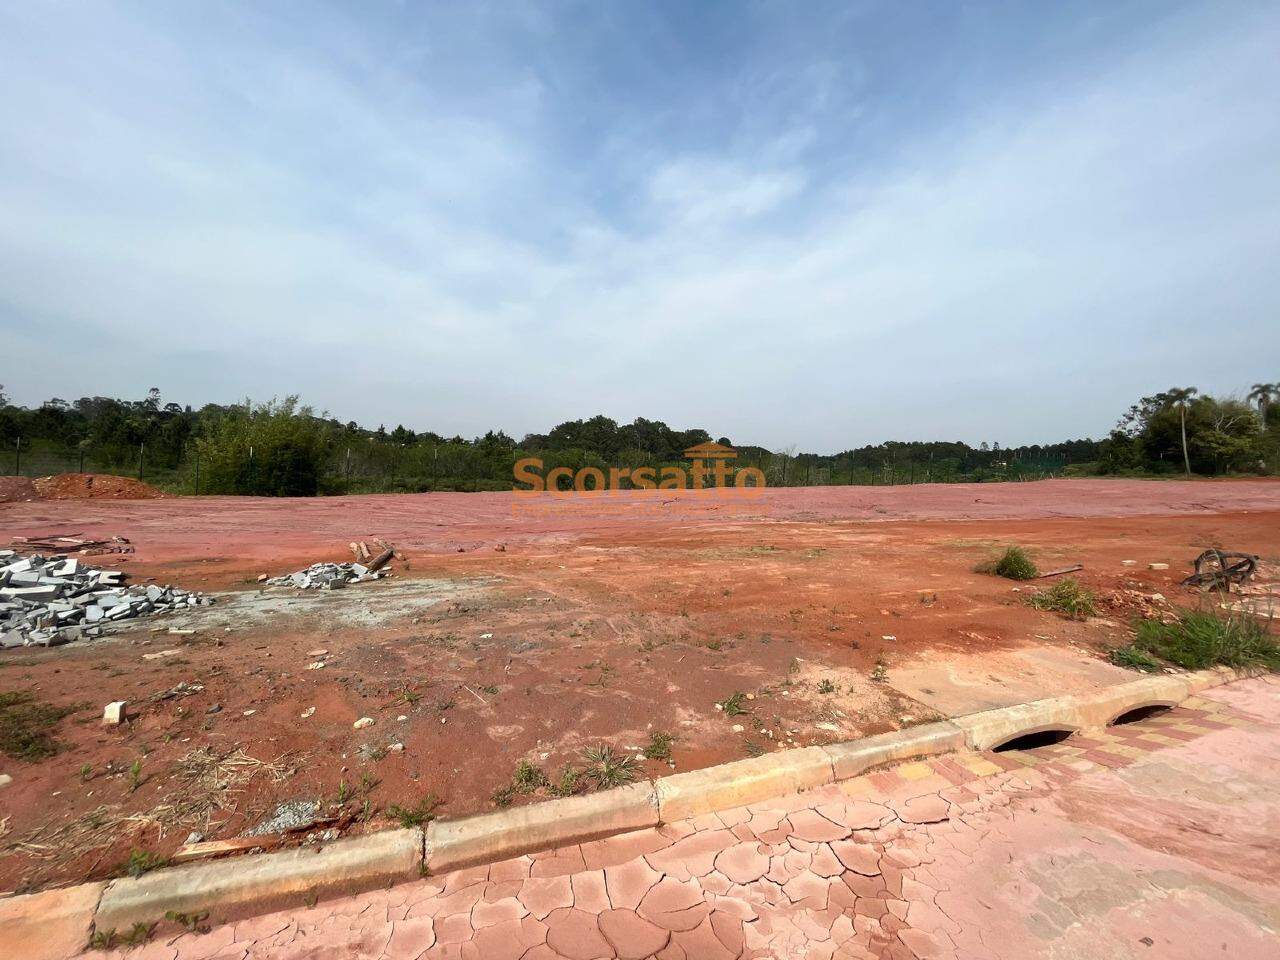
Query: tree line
x=285 y=448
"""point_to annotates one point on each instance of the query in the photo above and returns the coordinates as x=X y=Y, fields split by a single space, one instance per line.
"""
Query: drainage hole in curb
x=1029 y=741
x=1138 y=714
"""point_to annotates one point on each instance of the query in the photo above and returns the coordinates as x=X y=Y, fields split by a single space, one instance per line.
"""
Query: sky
x=820 y=224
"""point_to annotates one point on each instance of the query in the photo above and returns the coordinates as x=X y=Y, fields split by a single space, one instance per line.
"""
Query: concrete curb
x=262 y=881
x=46 y=924
x=490 y=837
x=991 y=728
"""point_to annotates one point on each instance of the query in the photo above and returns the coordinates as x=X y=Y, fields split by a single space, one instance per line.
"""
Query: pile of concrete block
x=48 y=601
x=326 y=576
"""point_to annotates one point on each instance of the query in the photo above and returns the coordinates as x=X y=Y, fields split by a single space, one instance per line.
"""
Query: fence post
x=141 y=451
x=17 y=468
x=197 y=476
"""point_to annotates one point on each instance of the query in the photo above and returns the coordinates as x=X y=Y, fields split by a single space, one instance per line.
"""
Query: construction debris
x=45 y=601
x=1057 y=573
x=64 y=544
x=113 y=713
x=329 y=576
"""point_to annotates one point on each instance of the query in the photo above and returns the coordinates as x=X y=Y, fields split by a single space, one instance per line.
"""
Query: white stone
x=114 y=712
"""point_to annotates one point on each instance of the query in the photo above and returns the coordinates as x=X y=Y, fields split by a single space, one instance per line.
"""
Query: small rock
x=1158 y=597
x=195 y=836
x=214 y=708
x=263 y=578
x=114 y=713
x=365 y=722
x=320 y=652
x=1128 y=563
x=5 y=779
x=309 y=712
x=402 y=718
x=888 y=636
x=738 y=728
x=395 y=748
x=248 y=713
x=317 y=665
x=1157 y=566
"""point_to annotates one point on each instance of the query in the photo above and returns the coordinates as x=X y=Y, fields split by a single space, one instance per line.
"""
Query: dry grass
x=206 y=784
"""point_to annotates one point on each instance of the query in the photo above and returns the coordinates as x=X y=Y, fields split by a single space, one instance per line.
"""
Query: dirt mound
x=94 y=486
x=17 y=489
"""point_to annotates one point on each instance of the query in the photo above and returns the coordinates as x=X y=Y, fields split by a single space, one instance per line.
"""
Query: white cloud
x=290 y=227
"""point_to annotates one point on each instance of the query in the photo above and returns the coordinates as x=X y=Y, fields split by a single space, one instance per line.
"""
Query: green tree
x=273 y=449
x=1263 y=394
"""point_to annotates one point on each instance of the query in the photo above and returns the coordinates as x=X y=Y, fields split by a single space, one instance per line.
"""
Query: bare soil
x=94 y=486
x=508 y=634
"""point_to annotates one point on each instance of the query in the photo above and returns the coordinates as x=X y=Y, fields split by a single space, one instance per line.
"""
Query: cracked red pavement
x=1156 y=839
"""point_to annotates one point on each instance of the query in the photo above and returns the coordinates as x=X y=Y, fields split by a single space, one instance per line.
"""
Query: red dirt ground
x=519 y=637
x=16 y=489
x=94 y=486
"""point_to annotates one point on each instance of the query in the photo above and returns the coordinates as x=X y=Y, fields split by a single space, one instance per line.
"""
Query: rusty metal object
x=1218 y=569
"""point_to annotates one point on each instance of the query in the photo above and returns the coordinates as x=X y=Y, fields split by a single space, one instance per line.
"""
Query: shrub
x=1013 y=564
x=1068 y=598
x=1201 y=638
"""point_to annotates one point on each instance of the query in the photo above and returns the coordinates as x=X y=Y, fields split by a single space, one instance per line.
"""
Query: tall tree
x=1180 y=396
x=1262 y=394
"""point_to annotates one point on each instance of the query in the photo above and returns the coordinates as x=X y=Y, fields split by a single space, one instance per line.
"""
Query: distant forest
x=284 y=448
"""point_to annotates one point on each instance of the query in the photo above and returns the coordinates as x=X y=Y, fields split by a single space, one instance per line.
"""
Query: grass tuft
x=1202 y=638
x=1134 y=658
x=1013 y=564
x=733 y=705
x=659 y=746
x=1068 y=598
x=416 y=816
x=605 y=768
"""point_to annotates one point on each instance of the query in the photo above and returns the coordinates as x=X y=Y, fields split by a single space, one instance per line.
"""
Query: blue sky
x=820 y=224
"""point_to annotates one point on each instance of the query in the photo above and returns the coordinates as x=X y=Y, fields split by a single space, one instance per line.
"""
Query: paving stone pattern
x=993 y=855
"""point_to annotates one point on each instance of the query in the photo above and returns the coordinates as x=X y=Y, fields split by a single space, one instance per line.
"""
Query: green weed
x=605 y=768
x=140 y=862
x=1201 y=638
x=659 y=746
x=26 y=726
x=416 y=816
x=1134 y=659
x=1068 y=598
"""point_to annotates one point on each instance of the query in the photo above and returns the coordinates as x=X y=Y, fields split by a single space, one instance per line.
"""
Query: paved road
x=1157 y=840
